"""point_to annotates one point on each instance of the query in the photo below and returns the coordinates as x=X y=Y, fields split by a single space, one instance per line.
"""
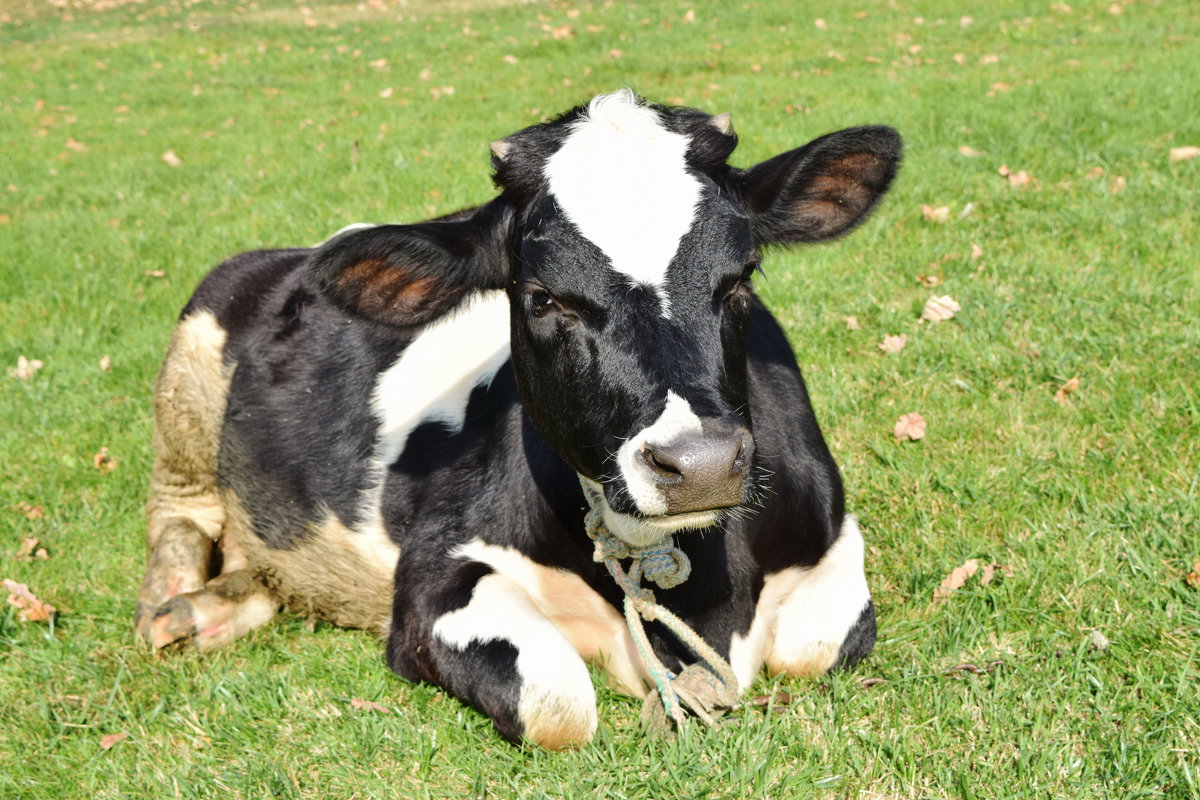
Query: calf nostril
x=665 y=467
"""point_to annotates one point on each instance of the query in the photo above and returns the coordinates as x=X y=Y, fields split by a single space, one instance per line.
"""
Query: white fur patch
x=677 y=420
x=595 y=629
x=622 y=180
x=433 y=378
x=805 y=613
x=558 y=703
x=353 y=226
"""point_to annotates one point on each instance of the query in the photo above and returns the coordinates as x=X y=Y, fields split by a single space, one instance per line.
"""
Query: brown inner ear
x=835 y=199
x=379 y=289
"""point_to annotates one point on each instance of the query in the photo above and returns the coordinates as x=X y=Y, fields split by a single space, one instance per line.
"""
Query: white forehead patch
x=621 y=178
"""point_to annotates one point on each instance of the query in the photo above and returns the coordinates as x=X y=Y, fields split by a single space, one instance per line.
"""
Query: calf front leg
x=486 y=642
x=825 y=617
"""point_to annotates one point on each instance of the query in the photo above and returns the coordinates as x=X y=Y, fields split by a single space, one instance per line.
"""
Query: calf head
x=627 y=246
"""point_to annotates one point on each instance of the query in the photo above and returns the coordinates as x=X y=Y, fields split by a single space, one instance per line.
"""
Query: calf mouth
x=644 y=530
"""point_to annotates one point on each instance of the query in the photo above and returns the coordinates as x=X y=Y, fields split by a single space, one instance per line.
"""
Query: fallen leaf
x=931 y=214
x=31 y=608
x=106 y=363
x=103 y=461
x=773 y=699
x=511 y=59
x=910 y=427
x=940 y=309
x=109 y=740
x=369 y=705
x=1118 y=185
x=614 y=53
x=893 y=344
x=689 y=16
x=1193 y=577
x=969 y=152
x=851 y=323
x=154 y=273
x=26 y=368
x=989 y=58
x=989 y=572
x=1183 y=153
x=976 y=251
x=30 y=511
x=170 y=159
x=955 y=580
x=29 y=550
x=1015 y=178
x=1067 y=388
x=821 y=24
x=386 y=93
x=930 y=281
x=78 y=147
x=379 y=63
x=1098 y=641
x=974 y=669
x=1094 y=173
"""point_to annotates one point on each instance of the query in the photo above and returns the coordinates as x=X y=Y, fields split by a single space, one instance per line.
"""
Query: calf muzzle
x=703 y=472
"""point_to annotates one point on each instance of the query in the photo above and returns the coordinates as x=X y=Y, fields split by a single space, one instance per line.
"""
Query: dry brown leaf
x=989 y=58
x=171 y=160
x=110 y=740
x=1193 y=577
x=851 y=323
x=1094 y=173
x=154 y=273
x=955 y=580
x=31 y=608
x=29 y=550
x=1183 y=153
x=930 y=281
x=103 y=461
x=1015 y=178
x=78 y=147
x=510 y=59
x=614 y=53
x=30 y=511
x=106 y=363
x=1066 y=389
x=969 y=152
x=893 y=344
x=369 y=705
x=976 y=251
x=940 y=309
x=909 y=427
x=821 y=24
x=26 y=368
x=931 y=214
x=1118 y=185
x=386 y=93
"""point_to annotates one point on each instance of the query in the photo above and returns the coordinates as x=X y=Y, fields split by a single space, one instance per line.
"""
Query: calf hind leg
x=179 y=600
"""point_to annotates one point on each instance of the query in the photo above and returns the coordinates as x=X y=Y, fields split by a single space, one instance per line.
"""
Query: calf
x=390 y=430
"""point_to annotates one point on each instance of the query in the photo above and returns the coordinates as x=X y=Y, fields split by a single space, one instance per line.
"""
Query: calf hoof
x=229 y=606
x=174 y=621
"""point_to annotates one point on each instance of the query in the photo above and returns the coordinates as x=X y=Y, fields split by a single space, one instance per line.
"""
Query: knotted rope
x=707 y=690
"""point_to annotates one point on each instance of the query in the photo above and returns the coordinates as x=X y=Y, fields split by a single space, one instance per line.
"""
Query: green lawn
x=288 y=122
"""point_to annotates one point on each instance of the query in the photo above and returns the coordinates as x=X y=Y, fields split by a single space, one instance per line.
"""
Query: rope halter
x=706 y=689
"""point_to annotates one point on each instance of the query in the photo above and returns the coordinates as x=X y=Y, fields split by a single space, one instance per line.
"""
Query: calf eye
x=541 y=302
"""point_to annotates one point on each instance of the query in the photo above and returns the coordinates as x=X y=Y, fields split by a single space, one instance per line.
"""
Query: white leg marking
x=621 y=178
x=594 y=628
x=819 y=607
x=557 y=706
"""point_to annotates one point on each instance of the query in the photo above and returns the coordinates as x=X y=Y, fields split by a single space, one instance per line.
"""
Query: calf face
x=627 y=246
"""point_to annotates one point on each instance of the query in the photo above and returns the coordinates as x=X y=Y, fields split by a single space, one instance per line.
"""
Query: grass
x=290 y=122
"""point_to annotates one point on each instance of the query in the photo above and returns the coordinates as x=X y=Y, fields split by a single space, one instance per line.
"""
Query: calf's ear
x=821 y=190
x=406 y=275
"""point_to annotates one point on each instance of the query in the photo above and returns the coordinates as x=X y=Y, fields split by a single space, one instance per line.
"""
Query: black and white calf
x=389 y=430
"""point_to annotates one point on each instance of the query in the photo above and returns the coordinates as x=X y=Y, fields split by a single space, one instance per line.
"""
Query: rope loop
x=708 y=689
